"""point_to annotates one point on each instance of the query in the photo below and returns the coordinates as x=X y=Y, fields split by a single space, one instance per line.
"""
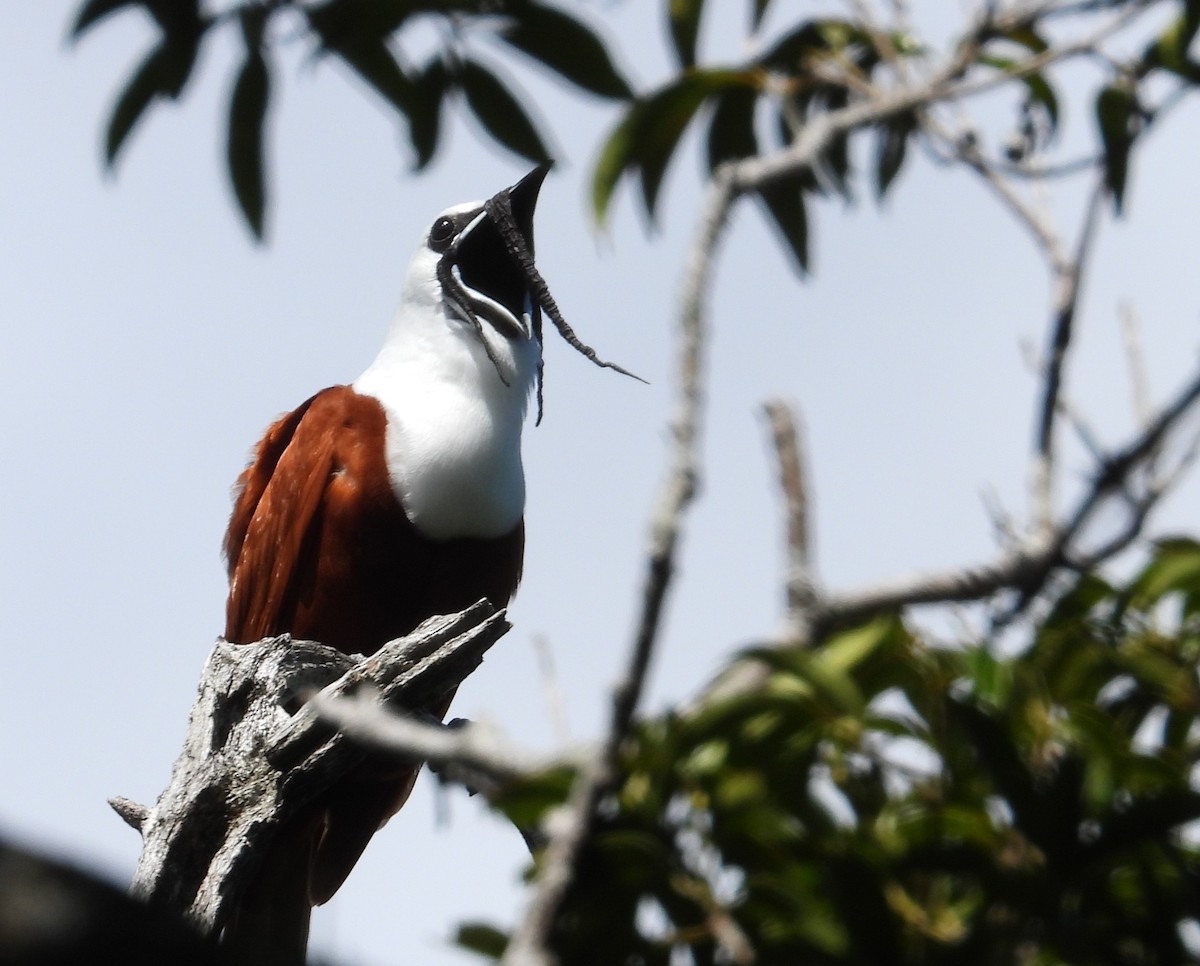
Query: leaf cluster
x=884 y=800
x=1122 y=108
x=819 y=67
x=812 y=68
x=367 y=37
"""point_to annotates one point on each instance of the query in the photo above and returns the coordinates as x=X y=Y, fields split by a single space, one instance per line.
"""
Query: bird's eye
x=441 y=234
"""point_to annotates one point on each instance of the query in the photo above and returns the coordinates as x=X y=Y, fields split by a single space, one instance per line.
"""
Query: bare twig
x=801 y=589
x=964 y=146
x=365 y=719
x=1087 y=436
x=132 y=814
x=1139 y=382
x=1026 y=569
x=1066 y=298
x=555 y=706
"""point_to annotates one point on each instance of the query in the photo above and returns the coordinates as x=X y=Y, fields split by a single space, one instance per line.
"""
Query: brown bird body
x=319 y=546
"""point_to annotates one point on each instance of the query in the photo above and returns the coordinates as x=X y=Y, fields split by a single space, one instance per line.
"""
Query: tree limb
x=250 y=759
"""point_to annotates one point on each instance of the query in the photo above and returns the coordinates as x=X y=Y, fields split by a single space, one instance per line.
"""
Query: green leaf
x=1027 y=36
x=1154 y=818
x=566 y=46
x=179 y=19
x=614 y=158
x=375 y=63
x=92 y=12
x=1040 y=91
x=1175 y=567
x=790 y=51
x=145 y=84
x=482 y=938
x=500 y=113
x=843 y=652
x=998 y=755
x=347 y=22
x=1116 y=108
x=646 y=137
x=247 y=112
x=526 y=802
x=757 y=12
x=785 y=205
x=731 y=129
x=425 y=113
x=1170 y=49
x=666 y=118
x=163 y=73
x=684 y=21
x=891 y=147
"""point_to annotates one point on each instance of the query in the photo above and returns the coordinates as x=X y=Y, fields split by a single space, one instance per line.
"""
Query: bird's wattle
x=486 y=267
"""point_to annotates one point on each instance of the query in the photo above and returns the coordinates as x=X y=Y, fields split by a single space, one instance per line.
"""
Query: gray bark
x=255 y=753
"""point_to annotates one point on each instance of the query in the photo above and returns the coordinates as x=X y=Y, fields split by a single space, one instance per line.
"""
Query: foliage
x=885 y=800
x=822 y=65
x=366 y=36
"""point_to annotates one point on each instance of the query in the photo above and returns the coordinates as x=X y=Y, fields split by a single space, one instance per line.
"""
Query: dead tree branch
x=250 y=759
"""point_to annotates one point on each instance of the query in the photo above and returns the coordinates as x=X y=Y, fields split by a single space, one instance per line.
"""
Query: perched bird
x=374 y=506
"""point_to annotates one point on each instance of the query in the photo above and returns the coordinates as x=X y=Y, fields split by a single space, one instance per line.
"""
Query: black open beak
x=487 y=266
x=522 y=199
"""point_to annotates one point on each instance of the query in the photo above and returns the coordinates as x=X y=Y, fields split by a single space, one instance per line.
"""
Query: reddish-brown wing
x=319 y=547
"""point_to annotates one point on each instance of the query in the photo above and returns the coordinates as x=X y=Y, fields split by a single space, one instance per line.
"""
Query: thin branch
x=1067 y=272
x=801 y=590
x=552 y=690
x=946 y=83
x=365 y=719
x=1087 y=436
x=1027 y=568
x=1113 y=474
x=964 y=146
x=132 y=813
x=1135 y=356
x=1066 y=299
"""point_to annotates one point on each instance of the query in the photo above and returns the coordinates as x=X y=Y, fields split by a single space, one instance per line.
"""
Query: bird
x=375 y=505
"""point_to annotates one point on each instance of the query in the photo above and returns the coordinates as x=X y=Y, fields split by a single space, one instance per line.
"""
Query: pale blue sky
x=147 y=343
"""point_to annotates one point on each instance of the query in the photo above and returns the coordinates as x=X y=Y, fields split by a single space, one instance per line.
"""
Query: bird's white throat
x=453 y=427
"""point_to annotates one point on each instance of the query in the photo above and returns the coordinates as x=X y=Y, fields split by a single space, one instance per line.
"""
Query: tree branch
x=1027 y=568
x=247 y=763
x=1068 y=277
x=801 y=589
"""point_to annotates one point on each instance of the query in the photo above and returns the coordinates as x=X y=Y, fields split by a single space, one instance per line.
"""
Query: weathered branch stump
x=254 y=753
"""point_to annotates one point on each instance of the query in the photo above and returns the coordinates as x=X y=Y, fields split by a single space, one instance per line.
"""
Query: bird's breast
x=454 y=460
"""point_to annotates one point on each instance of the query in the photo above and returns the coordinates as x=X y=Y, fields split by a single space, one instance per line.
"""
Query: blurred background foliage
x=887 y=799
